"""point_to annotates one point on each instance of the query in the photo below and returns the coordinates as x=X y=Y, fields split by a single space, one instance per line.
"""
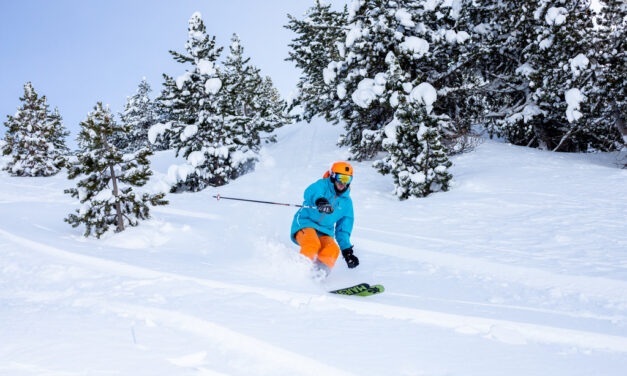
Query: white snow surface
x=417 y=46
x=430 y=5
x=180 y=80
x=189 y=131
x=527 y=114
x=424 y=93
x=156 y=130
x=341 y=91
x=206 y=67
x=519 y=269
x=456 y=7
x=525 y=70
x=546 y=43
x=352 y=35
x=573 y=97
x=368 y=90
x=454 y=37
x=213 y=85
x=578 y=64
x=353 y=7
x=330 y=72
x=404 y=18
x=556 y=16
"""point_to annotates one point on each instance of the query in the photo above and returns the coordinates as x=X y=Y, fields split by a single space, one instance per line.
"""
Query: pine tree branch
x=566 y=137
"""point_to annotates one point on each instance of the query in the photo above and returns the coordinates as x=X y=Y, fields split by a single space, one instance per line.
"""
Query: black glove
x=351 y=260
x=324 y=206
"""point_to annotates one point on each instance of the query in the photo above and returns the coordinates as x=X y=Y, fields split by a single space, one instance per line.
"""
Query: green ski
x=362 y=289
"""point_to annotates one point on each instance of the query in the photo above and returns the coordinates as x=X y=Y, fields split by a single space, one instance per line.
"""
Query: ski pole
x=218 y=197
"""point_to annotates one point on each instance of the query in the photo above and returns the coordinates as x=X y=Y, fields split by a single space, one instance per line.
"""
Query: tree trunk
x=116 y=192
x=619 y=121
x=565 y=138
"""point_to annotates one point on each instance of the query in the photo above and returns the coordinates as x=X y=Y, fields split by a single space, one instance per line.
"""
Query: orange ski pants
x=312 y=245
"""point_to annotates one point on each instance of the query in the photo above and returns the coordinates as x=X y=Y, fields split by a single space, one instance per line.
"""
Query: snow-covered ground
x=521 y=269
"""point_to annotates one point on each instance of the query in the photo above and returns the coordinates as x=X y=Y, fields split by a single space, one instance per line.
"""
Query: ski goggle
x=344 y=179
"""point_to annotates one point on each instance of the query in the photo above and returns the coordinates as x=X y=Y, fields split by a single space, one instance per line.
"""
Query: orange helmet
x=343 y=168
x=338 y=169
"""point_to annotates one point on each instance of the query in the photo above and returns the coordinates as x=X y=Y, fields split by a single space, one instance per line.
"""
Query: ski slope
x=519 y=270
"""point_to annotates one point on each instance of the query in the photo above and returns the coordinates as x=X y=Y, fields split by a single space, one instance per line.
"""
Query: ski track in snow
x=613 y=319
x=605 y=288
x=185 y=213
x=510 y=332
x=548 y=223
x=273 y=359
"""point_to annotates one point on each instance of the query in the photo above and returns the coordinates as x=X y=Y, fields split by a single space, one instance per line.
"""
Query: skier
x=314 y=230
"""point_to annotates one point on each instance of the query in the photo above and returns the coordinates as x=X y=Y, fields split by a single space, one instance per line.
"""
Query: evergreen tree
x=364 y=96
x=390 y=48
x=252 y=104
x=547 y=67
x=392 y=53
x=453 y=28
x=108 y=177
x=271 y=109
x=612 y=84
x=140 y=113
x=240 y=80
x=239 y=84
x=417 y=159
x=502 y=32
x=35 y=138
x=197 y=128
x=319 y=40
x=563 y=62
x=58 y=134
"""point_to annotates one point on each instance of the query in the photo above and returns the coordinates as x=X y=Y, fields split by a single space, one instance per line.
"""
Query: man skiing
x=313 y=230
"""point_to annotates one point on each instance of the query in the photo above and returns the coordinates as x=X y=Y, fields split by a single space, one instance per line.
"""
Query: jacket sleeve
x=314 y=192
x=343 y=229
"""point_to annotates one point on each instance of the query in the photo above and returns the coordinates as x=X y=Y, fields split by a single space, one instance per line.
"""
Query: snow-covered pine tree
x=417 y=159
x=139 y=114
x=564 y=65
x=240 y=81
x=196 y=128
x=611 y=81
x=544 y=64
x=503 y=32
x=108 y=177
x=252 y=104
x=363 y=98
x=35 y=138
x=319 y=40
x=453 y=28
x=423 y=41
x=271 y=109
x=58 y=134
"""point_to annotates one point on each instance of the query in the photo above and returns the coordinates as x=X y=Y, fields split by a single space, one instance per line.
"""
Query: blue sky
x=80 y=52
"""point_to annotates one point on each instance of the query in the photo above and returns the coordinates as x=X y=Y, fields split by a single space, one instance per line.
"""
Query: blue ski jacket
x=338 y=224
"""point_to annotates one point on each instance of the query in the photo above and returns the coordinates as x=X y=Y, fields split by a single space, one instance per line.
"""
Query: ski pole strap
x=218 y=197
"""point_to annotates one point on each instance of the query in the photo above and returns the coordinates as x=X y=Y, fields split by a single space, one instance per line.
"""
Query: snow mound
x=417 y=46
x=556 y=16
x=574 y=97
x=425 y=94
